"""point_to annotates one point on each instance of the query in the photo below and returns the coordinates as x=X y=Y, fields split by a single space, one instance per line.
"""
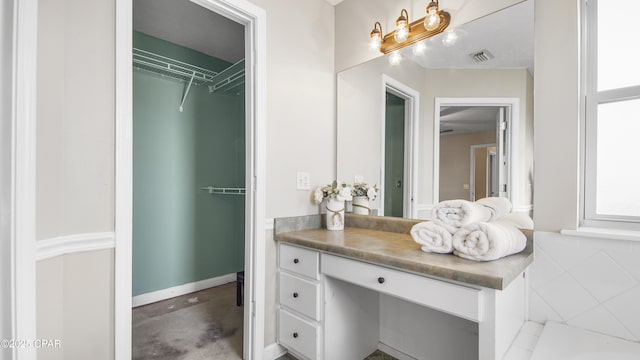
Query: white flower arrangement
x=337 y=190
x=362 y=189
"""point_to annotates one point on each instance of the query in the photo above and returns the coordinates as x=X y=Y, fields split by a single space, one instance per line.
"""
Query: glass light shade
x=375 y=42
x=401 y=34
x=432 y=20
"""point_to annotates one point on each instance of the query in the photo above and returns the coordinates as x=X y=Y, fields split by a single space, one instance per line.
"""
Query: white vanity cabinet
x=338 y=308
x=344 y=294
x=299 y=299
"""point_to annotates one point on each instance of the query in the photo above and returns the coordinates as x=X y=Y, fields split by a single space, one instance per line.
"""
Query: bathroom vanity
x=344 y=294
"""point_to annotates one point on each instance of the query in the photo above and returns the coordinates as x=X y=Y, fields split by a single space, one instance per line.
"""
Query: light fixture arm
x=377 y=28
x=404 y=16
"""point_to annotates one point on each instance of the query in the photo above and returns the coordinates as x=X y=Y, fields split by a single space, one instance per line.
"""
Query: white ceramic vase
x=335 y=214
x=360 y=205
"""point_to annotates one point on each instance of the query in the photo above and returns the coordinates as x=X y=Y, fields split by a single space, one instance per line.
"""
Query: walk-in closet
x=188 y=181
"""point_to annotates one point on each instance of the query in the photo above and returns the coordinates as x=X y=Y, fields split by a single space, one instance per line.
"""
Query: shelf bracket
x=187 y=91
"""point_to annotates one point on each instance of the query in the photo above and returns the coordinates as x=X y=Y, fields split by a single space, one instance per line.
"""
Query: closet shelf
x=165 y=66
x=224 y=190
x=227 y=80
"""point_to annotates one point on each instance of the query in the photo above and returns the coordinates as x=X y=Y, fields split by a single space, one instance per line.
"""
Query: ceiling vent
x=481 y=56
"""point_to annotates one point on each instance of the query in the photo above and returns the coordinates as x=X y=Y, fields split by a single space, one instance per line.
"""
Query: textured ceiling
x=467 y=119
x=185 y=23
x=506 y=34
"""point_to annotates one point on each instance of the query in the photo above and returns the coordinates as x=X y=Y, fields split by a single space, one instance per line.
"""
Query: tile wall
x=586 y=282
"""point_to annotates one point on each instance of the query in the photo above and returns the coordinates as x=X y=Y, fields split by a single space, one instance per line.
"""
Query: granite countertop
x=386 y=242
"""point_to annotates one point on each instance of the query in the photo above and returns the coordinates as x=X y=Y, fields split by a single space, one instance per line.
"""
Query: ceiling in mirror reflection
x=507 y=35
x=455 y=120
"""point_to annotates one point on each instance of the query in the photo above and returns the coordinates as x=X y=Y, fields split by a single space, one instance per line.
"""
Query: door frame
x=512 y=138
x=472 y=168
x=411 y=115
x=18 y=214
x=254 y=20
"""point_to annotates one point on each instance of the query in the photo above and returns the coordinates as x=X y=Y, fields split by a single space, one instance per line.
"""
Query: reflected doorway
x=484 y=172
x=473 y=149
x=398 y=172
x=394 y=155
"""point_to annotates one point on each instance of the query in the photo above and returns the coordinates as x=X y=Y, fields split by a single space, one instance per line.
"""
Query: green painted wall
x=181 y=233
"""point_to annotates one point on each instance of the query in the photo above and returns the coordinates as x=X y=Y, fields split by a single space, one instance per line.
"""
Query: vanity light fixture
x=432 y=20
x=401 y=33
x=376 y=36
x=405 y=33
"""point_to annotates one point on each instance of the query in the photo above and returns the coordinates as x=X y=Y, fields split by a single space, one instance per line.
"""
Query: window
x=611 y=85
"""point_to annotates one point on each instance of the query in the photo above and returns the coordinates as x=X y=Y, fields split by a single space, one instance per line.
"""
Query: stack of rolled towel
x=483 y=230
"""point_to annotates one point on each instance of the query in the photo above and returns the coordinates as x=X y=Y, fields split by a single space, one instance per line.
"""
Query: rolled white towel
x=499 y=206
x=485 y=241
x=458 y=213
x=434 y=236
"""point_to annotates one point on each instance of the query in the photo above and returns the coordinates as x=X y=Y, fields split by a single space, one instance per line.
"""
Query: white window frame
x=590 y=100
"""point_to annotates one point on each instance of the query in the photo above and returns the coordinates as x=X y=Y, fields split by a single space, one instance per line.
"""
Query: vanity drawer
x=300 y=261
x=451 y=298
x=300 y=295
x=298 y=335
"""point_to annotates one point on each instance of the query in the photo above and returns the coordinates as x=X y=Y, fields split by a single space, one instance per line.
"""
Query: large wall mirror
x=449 y=118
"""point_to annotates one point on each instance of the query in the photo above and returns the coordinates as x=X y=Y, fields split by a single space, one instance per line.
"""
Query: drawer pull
x=295 y=261
x=295 y=335
x=295 y=294
x=381 y=280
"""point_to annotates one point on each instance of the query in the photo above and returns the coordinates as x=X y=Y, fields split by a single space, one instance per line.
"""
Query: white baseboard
x=394 y=352
x=159 y=295
x=273 y=351
x=69 y=244
x=523 y=208
x=425 y=209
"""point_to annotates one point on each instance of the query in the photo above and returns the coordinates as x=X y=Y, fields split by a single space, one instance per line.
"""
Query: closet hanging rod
x=150 y=61
x=224 y=81
x=224 y=190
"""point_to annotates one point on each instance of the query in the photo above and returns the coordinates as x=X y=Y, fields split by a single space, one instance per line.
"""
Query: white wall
x=300 y=116
x=300 y=101
x=355 y=19
x=75 y=135
x=75 y=173
x=6 y=62
x=556 y=115
x=75 y=297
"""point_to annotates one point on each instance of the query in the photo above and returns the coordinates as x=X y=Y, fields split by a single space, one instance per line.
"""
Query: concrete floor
x=197 y=326
x=201 y=325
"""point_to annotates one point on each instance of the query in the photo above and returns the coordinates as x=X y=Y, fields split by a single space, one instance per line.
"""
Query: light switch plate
x=465 y=186
x=302 y=181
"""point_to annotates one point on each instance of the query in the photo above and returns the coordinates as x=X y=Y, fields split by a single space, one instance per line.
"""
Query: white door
x=502 y=152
